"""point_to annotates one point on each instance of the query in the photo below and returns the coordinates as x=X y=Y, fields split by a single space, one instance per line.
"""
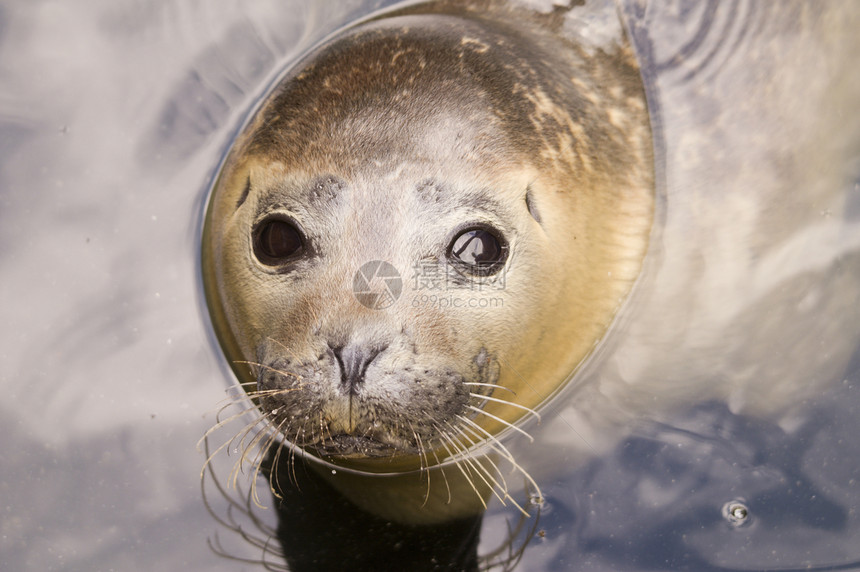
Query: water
x=113 y=117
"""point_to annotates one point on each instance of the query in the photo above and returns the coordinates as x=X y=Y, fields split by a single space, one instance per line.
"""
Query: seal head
x=424 y=230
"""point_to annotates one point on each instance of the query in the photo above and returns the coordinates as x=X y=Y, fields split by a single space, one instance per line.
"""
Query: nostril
x=353 y=361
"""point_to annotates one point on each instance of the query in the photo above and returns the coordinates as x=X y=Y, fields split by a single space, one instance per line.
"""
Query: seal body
x=425 y=229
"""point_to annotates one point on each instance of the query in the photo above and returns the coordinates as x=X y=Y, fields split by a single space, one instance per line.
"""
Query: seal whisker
x=227 y=444
x=502 y=421
x=222 y=423
x=492 y=440
x=325 y=429
x=270 y=368
x=274 y=476
x=419 y=444
x=512 y=404
x=270 y=437
x=497 y=445
x=424 y=462
x=293 y=455
x=273 y=391
x=253 y=395
x=230 y=523
x=483 y=472
x=473 y=438
x=500 y=488
x=238 y=467
x=503 y=486
x=446 y=440
x=231 y=401
x=242 y=433
x=235 y=394
x=261 y=442
x=493 y=385
x=488 y=476
x=274 y=470
x=281 y=429
x=247 y=398
x=444 y=475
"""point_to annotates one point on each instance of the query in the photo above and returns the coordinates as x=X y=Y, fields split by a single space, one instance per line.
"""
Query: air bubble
x=737 y=513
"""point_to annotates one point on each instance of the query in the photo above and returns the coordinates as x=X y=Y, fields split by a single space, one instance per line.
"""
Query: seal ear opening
x=530 y=204
x=245 y=193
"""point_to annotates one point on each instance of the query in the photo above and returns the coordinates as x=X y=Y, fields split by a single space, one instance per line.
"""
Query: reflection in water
x=656 y=500
x=319 y=529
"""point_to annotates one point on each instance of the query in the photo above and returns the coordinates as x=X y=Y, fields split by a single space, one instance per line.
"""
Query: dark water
x=113 y=117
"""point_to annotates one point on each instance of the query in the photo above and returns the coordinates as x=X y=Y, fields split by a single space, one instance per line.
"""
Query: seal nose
x=353 y=361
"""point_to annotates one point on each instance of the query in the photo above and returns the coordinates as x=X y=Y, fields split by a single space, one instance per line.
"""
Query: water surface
x=113 y=118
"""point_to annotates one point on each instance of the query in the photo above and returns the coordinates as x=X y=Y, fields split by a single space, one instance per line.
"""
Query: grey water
x=113 y=119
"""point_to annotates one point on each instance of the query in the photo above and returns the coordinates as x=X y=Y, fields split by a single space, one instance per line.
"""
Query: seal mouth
x=348 y=446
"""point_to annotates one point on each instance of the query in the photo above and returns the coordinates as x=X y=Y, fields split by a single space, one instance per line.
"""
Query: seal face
x=501 y=175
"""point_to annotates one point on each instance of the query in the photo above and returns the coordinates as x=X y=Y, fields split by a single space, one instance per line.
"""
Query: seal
x=419 y=236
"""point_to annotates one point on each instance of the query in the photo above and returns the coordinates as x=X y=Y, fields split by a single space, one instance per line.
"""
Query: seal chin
x=357 y=446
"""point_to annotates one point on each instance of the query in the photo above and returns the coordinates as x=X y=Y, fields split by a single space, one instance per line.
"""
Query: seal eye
x=276 y=241
x=479 y=251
